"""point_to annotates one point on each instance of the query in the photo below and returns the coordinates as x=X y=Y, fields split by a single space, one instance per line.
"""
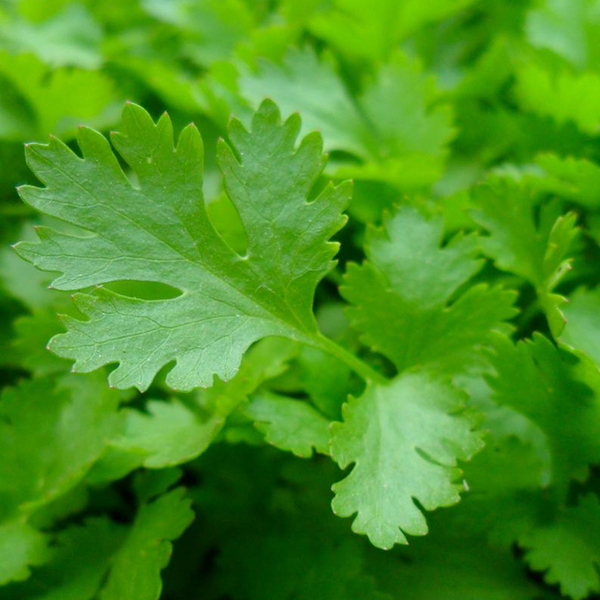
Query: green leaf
x=504 y=482
x=311 y=86
x=326 y=379
x=110 y=560
x=577 y=179
x=289 y=424
x=215 y=25
x=395 y=126
x=560 y=94
x=21 y=547
x=50 y=434
x=23 y=281
x=38 y=101
x=68 y=38
x=289 y=564
x=227 y=301
x=567 y=27
x=298 y=557
x=404 y=439
x=372 y=31
x=567 y=549
x=149 y=484
x=31 y=335
x=135 y=568
x=266 y=360
x=451 y=565
x=582 y=331
x=404 y=295
x=538 y=253
x=168 y=434
x=540 y=381
x=71 y=421
x=83 y=549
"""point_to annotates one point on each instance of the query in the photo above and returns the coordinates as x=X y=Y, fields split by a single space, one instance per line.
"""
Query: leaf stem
x=359 y=366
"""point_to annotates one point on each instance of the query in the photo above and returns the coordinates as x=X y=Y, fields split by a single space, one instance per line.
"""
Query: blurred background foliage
x=418 y=102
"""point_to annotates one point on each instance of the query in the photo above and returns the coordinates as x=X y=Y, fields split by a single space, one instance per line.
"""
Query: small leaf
x=567 y=549
x=401 y=295
x=21 y=547
x=404 y=439
x=536 y=252
x=542 y=382
x=289 y=424
x=158 y=231
x=135 y=568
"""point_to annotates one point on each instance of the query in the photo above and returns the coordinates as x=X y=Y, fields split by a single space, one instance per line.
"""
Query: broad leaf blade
x=158 y=231
x=405 y=439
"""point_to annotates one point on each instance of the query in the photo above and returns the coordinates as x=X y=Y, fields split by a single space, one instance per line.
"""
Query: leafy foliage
x=257 y=345
x=405 y=438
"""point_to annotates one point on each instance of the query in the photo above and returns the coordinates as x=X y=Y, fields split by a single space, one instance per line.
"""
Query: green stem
x=359 y=366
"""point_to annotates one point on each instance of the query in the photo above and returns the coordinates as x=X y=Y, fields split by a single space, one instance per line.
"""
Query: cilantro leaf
x=326 y=380
x=538 y=253
x=21 y=547
x=402 y=295
x=50 y=434
x=404 y=439
x=31 y=335
x=504 y=482
x=541 y=382
x=575 y=178
x=395 y=126
x=69 y=38
x=582 y=330
x=38 y=101
x=567 y=28
x=227 y=301
x=135 y=568
x=167 y=434
x=164 y=434
x=111 y=560
x=213 y=27
x=299 y=84
x=560 y=94
x=373 y=31
x=72 y=420
x=289 y=424
x=84 y=549
x=567 y=548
